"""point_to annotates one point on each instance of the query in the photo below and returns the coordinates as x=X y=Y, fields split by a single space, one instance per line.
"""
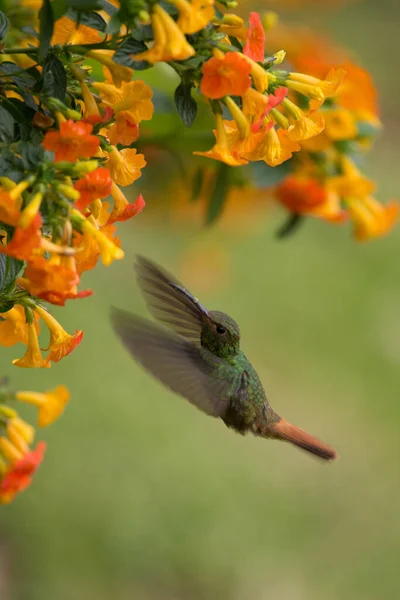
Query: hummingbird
x=196 y=354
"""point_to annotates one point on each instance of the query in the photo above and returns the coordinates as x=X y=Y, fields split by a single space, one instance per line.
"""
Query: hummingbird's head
x=220 y=334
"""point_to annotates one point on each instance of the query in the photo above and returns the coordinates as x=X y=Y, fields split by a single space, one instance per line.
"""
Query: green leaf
x=6 y=126
x=185 y=104
x=290 y=226
x=90 y=19
x=19 y=110
x=4 y=25
x=219 y=193
x=5 y=305
x=31 y=156
x=54 y=78
x=46 y=19
x=129 y=47
x=10 y=269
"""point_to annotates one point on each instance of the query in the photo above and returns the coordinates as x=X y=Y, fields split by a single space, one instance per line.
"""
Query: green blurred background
x=142 y=497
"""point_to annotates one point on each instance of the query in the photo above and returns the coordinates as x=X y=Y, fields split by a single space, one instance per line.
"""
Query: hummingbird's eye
x=219 y=329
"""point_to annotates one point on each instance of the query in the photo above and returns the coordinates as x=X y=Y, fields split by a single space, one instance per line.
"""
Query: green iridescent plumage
x=198 y=356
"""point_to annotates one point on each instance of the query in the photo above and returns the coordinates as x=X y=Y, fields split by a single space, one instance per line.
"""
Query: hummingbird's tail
x=283 y=430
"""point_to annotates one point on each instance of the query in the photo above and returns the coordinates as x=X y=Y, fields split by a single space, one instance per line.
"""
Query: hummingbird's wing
x=169 y=302
x=184 y=368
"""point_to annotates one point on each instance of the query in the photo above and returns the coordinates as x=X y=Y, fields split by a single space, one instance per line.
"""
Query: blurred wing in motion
x=169 y=302
x=177 y=363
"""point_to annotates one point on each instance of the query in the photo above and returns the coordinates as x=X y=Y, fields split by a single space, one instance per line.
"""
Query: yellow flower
x=32 y=357
x=119 y=73
x=20 y=434
x=261 y=78
x=316 y=89
x=14 y=328
x=221 y=150
x=108 y=250
x=125 y=165
x=340 y=124
x=303 y=126
x=274 y=148
x=241 y=121
x=131 y=101
x=9 y=451
x=194 y=15
x=351 y=183
x=51 y=404
x=67 y=31
x=169 y=41
x=370 y=218
x=26 y=431
x=61 y=343
x=30 y=211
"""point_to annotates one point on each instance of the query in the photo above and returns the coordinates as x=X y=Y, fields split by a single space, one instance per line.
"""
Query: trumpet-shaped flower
x=51 y=404
x=14 y=328
x=370 y=218
x=33 y=357
x=72 y=141
x=125 y=165
x=194 y=15
x=122 y=209
x=24 y=240
x=222 y=150
x=228 y=75
x=305 y=196
x=61 y=343
x=96 y=184
x=19 y=477
x=169 y=41
x=254 y=45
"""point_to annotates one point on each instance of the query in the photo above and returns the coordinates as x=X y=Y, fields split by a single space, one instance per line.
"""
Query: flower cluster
x=326 y=181
x=18 y=462
x=72 y=112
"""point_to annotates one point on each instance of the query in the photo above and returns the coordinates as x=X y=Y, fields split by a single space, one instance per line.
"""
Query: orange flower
x=125 y=165
x=32 y=357
x=14 y=328
x=123 y=131
x=228 y=75
x=370 y=218
x=303 y=195
x=20 y=475
x=254 y=45
x=122 y=209
x=222 y=149
x=96 y=184
x=87 y=251
x=72 y=141
x=43 y=278
x=24 y=240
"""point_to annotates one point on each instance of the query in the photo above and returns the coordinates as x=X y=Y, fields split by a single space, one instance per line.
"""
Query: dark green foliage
x=185 y=104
